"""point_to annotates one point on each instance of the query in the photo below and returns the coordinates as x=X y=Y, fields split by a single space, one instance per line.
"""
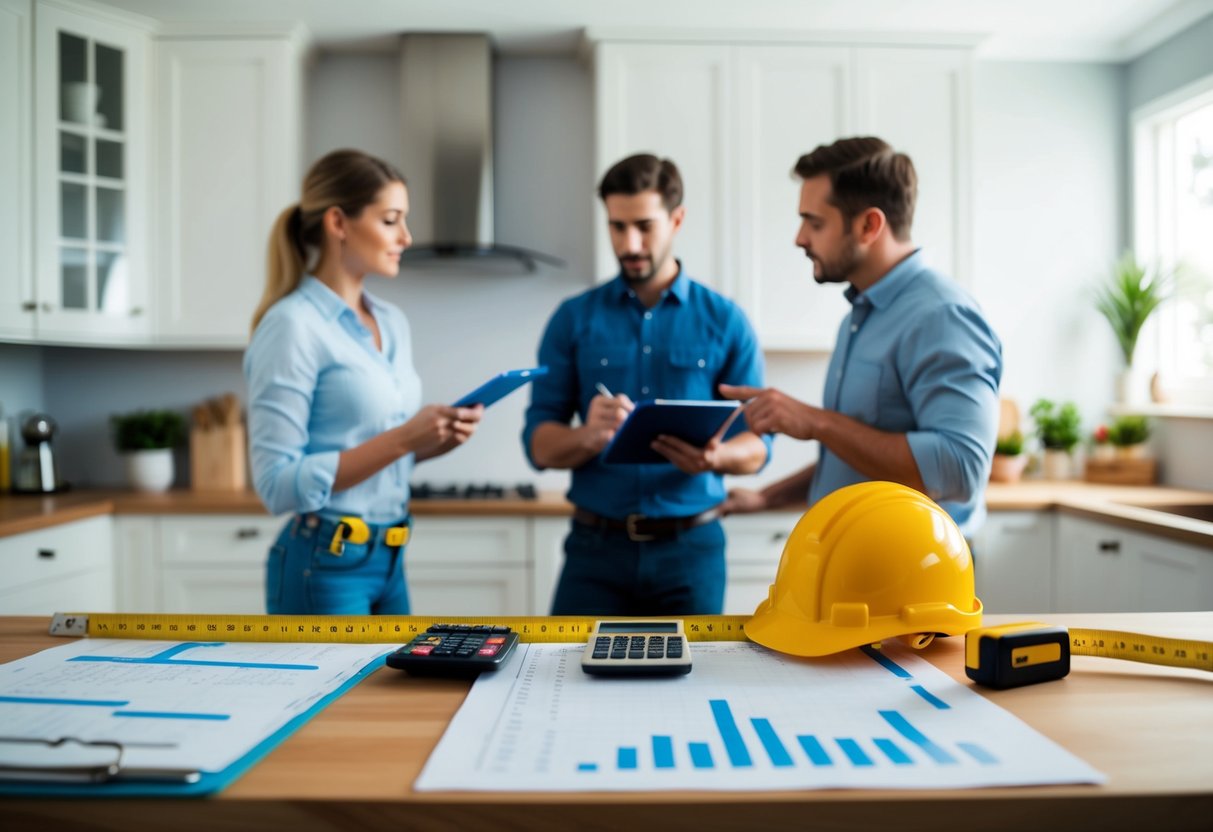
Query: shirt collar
x=329 y=303
x=679 y=289
x=884 y=291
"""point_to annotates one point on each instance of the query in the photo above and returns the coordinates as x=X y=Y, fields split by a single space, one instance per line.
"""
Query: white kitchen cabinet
x=215 y=564
x=90 y=175
x=1101 y=567
x=1013 y=562
x=547 y=559
x=736 y=116
x=228 y=140
x=469 y=566
x=16 y=202
x=754 y=547
x=65 y=568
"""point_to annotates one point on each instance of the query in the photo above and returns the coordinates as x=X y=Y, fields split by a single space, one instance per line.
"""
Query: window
x=1173 y=225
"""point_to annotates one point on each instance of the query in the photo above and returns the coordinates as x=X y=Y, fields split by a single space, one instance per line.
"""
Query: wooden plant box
x=1122 y=471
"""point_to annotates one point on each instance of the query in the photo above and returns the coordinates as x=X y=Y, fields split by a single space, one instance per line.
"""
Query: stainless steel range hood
x=447 y=154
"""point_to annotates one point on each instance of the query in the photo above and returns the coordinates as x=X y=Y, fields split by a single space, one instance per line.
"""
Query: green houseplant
x=1127 y=299
x=1129 y=434
x=1009 y=461
x=1057 y=427
x=146 y=439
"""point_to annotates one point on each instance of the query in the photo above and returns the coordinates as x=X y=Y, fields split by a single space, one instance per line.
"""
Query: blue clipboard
x=500 y=386
x=691 y=421
x=209 y=782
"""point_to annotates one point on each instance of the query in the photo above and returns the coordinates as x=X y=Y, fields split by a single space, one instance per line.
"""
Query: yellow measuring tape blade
x=389 y=629
x=1136 y=647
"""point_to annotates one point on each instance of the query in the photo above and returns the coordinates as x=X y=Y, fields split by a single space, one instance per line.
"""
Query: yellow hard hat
x=868 y=562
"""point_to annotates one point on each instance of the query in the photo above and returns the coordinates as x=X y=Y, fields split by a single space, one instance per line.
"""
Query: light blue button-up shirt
x=683 y=348
x=916 y=356
x=318 y=386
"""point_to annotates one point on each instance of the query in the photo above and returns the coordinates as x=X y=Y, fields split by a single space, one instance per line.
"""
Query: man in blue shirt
x=912 y=390
x=645 y=539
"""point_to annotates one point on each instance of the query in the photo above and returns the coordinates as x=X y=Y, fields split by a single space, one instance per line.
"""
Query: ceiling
x=1076 y=30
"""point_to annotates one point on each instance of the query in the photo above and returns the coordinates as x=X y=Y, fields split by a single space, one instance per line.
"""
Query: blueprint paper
x=746 y=718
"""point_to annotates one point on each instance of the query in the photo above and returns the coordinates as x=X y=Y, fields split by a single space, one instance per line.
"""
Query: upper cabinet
x=228 y=136
x=735 y=117
x=90 y=178
x=16 y=200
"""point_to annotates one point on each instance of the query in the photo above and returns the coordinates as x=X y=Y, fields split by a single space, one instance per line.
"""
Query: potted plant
x=1009 y=461
x=1057 y=429
x=1127 y=299
x=1129 y=434
x=146 y=439
x=1101 y=444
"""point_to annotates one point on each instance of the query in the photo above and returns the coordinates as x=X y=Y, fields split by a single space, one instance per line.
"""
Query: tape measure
x=388 y=629
x=1028 y=652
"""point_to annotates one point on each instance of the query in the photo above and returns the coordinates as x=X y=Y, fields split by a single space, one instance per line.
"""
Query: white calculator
x=647 y=647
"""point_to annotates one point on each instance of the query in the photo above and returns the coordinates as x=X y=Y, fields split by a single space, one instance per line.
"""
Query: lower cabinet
x=66 y=568
x=1106 y=568
x=469 y=566
x=755 y=545
x=1013 y=562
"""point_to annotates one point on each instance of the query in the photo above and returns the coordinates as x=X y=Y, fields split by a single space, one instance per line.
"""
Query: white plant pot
x=1131 y=386
x=1057 y=464
x=150 y=470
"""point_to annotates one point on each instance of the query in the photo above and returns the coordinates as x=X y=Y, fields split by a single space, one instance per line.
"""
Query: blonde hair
x=347 y=179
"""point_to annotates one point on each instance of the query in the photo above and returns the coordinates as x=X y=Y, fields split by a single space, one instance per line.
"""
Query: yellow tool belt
x=351 y=529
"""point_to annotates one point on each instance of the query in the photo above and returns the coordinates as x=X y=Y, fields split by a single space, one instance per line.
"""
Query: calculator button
x=488 y=651
x=444 y=651
x=495 y=640
x=501 y=629
x=481 y=628
x=422 y=650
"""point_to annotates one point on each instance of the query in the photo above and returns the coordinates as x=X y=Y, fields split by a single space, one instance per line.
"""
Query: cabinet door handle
x=46 y=554
x=247 y=533
x=48 y=307
x=29 y=306
x=136 y=311
x=778 y=536
x=1111 y=547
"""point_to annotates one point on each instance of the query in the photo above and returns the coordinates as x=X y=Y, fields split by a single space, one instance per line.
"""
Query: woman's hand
x=437 y=428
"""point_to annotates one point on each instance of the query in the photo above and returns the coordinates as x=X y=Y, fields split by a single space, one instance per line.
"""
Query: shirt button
x=854 y=327
x=648 y=316
x=603 y=362
x=644 y=390
x=702 y=363
x=647 y=349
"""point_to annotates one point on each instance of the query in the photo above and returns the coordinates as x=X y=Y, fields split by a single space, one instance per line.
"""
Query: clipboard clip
x=72 y=760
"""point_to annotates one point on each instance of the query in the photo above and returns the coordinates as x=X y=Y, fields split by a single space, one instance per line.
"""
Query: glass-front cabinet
x=91 y=179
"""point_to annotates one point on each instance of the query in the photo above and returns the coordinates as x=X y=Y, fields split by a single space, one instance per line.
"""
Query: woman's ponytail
x=285 y=264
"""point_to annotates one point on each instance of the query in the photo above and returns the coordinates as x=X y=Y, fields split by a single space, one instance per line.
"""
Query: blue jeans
x=606 y=573
x=303 y=577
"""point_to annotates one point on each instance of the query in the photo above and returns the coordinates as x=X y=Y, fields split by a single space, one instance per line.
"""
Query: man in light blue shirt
x=912 y=390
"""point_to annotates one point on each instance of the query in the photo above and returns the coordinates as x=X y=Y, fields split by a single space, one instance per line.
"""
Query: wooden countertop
x=1150 y=729
x=1112 y=503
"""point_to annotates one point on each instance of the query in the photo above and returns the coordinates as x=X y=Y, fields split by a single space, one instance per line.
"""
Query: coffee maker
x=36 y=470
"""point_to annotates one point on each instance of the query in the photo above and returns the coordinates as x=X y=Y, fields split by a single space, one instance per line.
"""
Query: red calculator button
x=495 y=640
x=488 y=651
x=422 y=650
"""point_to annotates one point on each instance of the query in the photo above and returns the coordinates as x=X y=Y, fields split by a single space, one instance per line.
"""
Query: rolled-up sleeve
x=952 y=379
x=553 y=395
x=281 y=373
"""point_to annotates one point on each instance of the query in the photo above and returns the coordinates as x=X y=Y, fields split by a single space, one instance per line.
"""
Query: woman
x=335 y=423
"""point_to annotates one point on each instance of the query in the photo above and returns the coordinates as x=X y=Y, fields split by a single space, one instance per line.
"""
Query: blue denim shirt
x=693 y=340
x=916 y=356
x=318 y=386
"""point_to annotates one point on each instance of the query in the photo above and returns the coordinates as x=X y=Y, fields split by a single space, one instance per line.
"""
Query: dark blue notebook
x=500 y=386
x=691 y=421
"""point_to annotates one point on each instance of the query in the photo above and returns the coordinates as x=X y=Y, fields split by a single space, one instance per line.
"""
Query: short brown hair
x=644 y=172
x=866 y=173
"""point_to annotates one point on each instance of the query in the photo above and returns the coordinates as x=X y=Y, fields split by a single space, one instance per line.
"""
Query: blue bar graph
x=663 y=752
x=902 y=726
x=701 y=755
x=779 y=755
x=734 y=745
x=930 y=697
x=812 y=747
x=853 y=750
x=854 y=753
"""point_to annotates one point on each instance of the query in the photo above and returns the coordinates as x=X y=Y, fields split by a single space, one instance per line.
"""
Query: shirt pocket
x=860 y=398
x=607 y=364
x=692 y=372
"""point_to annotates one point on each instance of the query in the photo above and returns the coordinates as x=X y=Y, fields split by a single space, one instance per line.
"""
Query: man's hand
x=773 y=411
x=605 y=415
x=744 y=501
x=686 y=457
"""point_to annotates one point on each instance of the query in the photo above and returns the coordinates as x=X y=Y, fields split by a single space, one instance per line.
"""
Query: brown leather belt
x=640 y=528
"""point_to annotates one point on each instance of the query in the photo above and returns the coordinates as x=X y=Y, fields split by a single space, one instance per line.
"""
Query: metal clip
x=349 y=529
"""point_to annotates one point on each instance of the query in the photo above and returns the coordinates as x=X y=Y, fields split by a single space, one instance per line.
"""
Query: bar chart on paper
x=746 y=718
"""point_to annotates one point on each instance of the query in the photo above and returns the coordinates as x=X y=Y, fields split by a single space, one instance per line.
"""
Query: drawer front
x=88 y=591
x=228 y=539
x=469 y=541
x=758 y=538
x=56 y=552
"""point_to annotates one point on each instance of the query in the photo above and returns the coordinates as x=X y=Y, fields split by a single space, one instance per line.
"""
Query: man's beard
x=656 y=261
x=841 y=268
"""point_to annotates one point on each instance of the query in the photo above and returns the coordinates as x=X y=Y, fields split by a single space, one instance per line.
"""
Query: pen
x=602 y=388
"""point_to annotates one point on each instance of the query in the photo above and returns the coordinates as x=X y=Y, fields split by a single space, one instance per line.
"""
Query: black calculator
x=461 y=650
